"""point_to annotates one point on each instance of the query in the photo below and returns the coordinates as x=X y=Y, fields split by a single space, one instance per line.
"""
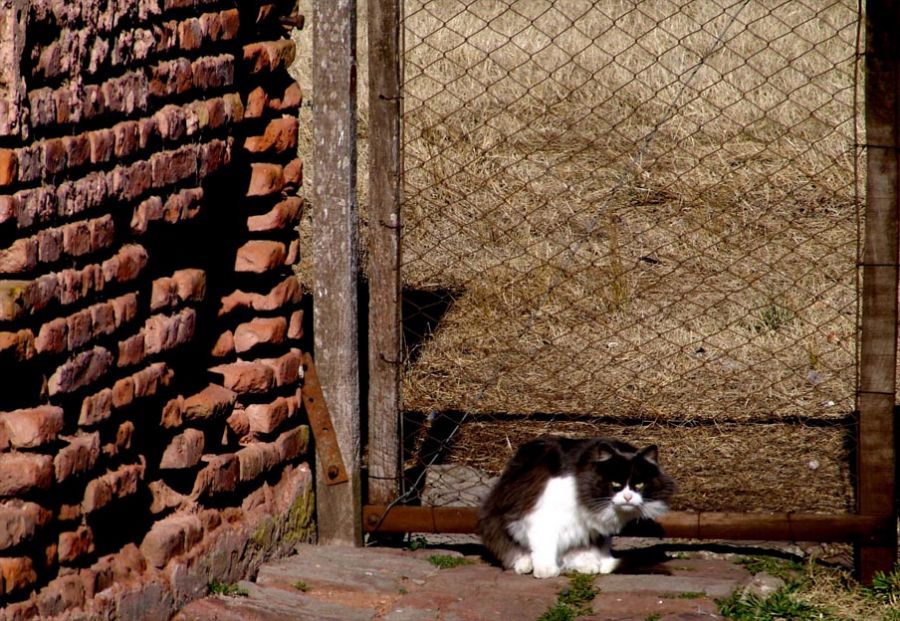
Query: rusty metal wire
x=638 y=219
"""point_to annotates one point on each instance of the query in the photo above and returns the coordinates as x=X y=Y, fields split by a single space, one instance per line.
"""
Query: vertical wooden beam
x=383 y=455
x=335 y=257
x=878 y=356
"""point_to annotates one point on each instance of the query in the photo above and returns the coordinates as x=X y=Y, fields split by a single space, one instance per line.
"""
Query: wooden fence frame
x=872 y=528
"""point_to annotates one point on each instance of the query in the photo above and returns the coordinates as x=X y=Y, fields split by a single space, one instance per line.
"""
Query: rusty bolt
x=333 y=472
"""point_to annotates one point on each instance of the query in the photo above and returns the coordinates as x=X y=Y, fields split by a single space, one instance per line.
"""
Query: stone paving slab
x=390 y=584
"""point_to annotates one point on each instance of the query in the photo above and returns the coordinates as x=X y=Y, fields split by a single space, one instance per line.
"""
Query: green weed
x=574 y=600
x=445 y=561
x=229 y=590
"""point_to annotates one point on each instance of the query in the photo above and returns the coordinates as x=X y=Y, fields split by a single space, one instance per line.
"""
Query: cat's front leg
x=543 y=558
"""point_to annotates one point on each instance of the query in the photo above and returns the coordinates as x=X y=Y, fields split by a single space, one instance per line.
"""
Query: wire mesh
x=637 y=219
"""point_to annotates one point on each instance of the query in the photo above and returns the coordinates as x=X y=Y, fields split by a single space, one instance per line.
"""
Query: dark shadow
x=422 y=311
x=426 y=442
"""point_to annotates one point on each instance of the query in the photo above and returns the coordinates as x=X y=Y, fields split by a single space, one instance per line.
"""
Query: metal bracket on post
x=327 y=450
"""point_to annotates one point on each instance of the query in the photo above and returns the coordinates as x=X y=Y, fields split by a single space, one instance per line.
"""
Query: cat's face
x=630 y=483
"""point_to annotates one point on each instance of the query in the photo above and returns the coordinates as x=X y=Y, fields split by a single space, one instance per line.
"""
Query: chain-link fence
x=637 y=219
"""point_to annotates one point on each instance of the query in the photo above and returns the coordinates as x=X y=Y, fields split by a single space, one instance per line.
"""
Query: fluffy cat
x=559 y=501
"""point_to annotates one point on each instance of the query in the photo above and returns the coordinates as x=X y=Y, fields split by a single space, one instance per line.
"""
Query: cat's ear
x=651 y=453
x=603 y=452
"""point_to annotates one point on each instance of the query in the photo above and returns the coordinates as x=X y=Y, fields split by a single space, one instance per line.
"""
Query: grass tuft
x=228 y=590
x=574 y=600
x=445 y=561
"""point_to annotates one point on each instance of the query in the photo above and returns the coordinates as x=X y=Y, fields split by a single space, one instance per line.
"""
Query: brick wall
x=151 y=438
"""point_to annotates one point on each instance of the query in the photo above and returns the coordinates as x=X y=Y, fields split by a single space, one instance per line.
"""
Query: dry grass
x=645 y=211
x=633 y=233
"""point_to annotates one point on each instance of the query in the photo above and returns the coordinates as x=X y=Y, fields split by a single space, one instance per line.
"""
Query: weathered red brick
x=239 y=423
x=33 y=427
x=170 y=122
x=74 y=545
x=129 y=182
x=127 y=138
x=148 y=381
x=171 y=77
x=126 y=264
x=103 y=145
x=54 y=156
x=123 y=392
x=260 y=331
x=131 y=350
x=19 y=345
x=78 y=150
x=295 y=326
x=36 y=205
x=293 y=443
x=282 y=216
x=293 y=173
x=267 y=417
x=30 y=162
x=210 y=72
x=265 y=179
x=20 y=520
x=20 y=256
x=61 y=594
x=79 y=329
x=50 y=242
x=214 y=401
x=293 y=253
x=224 y=345
x=81 y=370
x=127 y=93
x=111 y=486
x=257 y=101
x=172 y=413
x=286 y=368
x=18 y=573
x=9 y=167
x=171 y=537
x=23 y=472
x=165 y=332
x=269 y=56
x=221 y=475
x=213 y=156
x=77 y=457
x=96 y=408
x=163 y=497
x=279 y=136
x=190 y=34
x=184 y=451
x=259 y=256
x=257 y=458
x=246 y=377
x=170 y=167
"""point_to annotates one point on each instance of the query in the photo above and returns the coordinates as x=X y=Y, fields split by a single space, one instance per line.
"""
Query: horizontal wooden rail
x=677 y=524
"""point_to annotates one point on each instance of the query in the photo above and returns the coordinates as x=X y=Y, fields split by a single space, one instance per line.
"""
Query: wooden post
x=335 y=257
x=878 y=356
x=384 y=251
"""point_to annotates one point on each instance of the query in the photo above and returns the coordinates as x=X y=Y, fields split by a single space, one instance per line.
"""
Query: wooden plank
x=677 y=524
x=383 y=452
x=878 y=354
x=335 y=258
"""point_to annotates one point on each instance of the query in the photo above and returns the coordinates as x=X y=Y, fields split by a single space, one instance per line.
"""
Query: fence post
x=384 y=251
x=335 y=257
x=878 y=357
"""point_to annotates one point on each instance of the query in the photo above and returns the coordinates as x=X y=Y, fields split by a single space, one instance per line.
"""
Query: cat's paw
x=545 y=571
x=522 y=565
x=584 y=561
x=608 y=564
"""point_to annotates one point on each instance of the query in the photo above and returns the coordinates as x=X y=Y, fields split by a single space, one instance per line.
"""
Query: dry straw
x=642 y=212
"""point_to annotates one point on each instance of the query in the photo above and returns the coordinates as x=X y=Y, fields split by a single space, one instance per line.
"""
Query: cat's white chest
x=556 y=517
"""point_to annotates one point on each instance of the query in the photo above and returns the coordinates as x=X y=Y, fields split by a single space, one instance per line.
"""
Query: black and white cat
x=559 y=501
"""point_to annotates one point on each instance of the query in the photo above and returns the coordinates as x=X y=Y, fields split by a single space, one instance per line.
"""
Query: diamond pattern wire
x=638 y=219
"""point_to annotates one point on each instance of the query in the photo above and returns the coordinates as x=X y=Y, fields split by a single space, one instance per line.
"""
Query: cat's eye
x=615 y=485
x=638 y=486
